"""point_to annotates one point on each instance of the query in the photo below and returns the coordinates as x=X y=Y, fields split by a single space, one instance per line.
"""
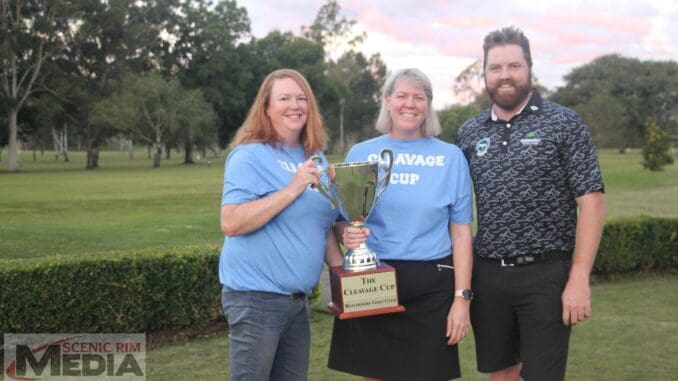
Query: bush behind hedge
x=150 y=290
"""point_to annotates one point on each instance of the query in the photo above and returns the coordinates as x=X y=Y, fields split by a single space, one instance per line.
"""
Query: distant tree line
x=182 y=74
x=620 y=99
x=165 y=73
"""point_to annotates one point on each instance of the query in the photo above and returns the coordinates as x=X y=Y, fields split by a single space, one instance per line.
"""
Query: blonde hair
x=258 y=128
x=430 y=126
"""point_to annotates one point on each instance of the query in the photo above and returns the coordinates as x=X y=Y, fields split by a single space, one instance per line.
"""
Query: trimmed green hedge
x=112 y=292
x=644 y=243
x=151 y=290
x=119 y=292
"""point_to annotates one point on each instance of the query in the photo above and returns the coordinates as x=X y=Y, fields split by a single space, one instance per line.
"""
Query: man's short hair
x=508 y=35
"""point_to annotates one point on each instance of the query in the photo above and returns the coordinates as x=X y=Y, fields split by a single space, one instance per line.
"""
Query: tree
x=606 y=118
x=452 y=118
x=358 y=81
x=152 y=109
x=330 y=30
x=209 y=54
x=351 y=101
x=645 y=90
x=108 y=39
x=656 y=150
x=469 y=84
x=31 y=33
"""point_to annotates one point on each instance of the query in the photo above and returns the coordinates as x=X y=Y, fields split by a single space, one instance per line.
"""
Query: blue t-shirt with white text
x=430 y=187
x=285 y=255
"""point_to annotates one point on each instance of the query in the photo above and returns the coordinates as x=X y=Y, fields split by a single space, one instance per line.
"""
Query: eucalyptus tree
x=153 y=109
x=109 y=39
x=354 y=80
x=31 y=34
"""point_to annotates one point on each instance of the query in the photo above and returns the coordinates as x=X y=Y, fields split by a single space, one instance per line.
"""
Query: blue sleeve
x=242 y=182
x=461 y=211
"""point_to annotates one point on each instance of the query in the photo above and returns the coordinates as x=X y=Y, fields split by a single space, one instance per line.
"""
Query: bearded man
x=540 y=205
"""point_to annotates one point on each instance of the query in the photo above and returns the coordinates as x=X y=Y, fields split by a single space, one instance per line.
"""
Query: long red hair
x=258 y=128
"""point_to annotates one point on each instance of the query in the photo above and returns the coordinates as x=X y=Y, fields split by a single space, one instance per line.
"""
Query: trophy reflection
x=362 y=286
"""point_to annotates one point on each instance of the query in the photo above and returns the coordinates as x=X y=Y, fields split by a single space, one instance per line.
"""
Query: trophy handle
x=385 y=163
x=324 y=189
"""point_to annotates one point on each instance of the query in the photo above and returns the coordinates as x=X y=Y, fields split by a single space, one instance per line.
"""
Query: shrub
x=123 y=292
x=644 y=243
x=657 y=148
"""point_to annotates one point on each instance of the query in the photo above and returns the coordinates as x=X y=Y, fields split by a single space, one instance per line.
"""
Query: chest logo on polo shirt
x=482 y=146
x=530 y=139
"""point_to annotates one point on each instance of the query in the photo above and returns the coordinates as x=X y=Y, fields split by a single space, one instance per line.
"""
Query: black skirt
x=408 y=345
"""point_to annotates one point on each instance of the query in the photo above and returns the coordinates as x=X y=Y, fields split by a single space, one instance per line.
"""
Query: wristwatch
x=466 y=293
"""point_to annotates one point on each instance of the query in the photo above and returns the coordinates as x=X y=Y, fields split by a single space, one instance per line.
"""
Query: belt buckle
x=505 y=264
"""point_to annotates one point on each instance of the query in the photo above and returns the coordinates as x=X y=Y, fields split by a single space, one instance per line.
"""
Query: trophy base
x=363 y=293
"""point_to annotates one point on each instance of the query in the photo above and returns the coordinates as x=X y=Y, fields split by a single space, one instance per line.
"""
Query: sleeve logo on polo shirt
x=482 y=146
x=530 y=139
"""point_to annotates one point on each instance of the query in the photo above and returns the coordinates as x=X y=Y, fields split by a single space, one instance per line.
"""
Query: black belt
x=298 y=295
x=528 y=259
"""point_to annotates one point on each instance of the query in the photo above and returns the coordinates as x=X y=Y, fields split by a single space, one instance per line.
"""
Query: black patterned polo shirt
x=526 y=174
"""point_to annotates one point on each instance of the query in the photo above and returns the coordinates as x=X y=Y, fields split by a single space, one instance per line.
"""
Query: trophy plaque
x=362 y=286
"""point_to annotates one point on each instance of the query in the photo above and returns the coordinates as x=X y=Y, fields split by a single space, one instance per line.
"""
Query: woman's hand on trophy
x=307 y=175
x=353 y=237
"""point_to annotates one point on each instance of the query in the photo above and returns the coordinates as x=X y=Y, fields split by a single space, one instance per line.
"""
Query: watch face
x=467 y=294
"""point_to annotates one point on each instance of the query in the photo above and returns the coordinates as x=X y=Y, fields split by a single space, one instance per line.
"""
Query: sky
x=443 y=37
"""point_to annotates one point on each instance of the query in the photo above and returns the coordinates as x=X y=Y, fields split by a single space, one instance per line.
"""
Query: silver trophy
x=355 y=188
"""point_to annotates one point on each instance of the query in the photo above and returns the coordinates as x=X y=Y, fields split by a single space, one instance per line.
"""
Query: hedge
x=638 y=244
x=150 y=290
x=121 y=292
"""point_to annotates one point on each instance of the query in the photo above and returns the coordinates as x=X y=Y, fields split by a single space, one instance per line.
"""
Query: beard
x=510 y=101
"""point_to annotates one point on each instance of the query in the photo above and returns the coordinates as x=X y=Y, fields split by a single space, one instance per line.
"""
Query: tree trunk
x=92 y=149
x=64 y=144
x=157 y=155
x=188 y=150
x=13 y=163
x=131 y=148
x=167 y=152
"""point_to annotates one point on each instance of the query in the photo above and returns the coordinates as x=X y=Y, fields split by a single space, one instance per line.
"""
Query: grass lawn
x=56 y=208
x=53 y=207
x=633 y=335
x=60 y=208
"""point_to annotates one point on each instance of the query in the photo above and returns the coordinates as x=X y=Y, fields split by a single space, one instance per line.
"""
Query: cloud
x=443 y=37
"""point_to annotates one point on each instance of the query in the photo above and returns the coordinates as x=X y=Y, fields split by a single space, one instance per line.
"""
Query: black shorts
x=409 y=345
x=516 y=315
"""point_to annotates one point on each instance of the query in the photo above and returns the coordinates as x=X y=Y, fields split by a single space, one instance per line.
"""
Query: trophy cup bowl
x=355 y=188
x=362 y=286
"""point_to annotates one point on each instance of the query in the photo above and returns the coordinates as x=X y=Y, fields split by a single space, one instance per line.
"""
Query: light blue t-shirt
x=286 y=254
x=430 y=187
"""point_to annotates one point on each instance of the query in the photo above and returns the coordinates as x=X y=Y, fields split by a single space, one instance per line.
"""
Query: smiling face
x=407 y=105
x=507 y=77
x=287 y=109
